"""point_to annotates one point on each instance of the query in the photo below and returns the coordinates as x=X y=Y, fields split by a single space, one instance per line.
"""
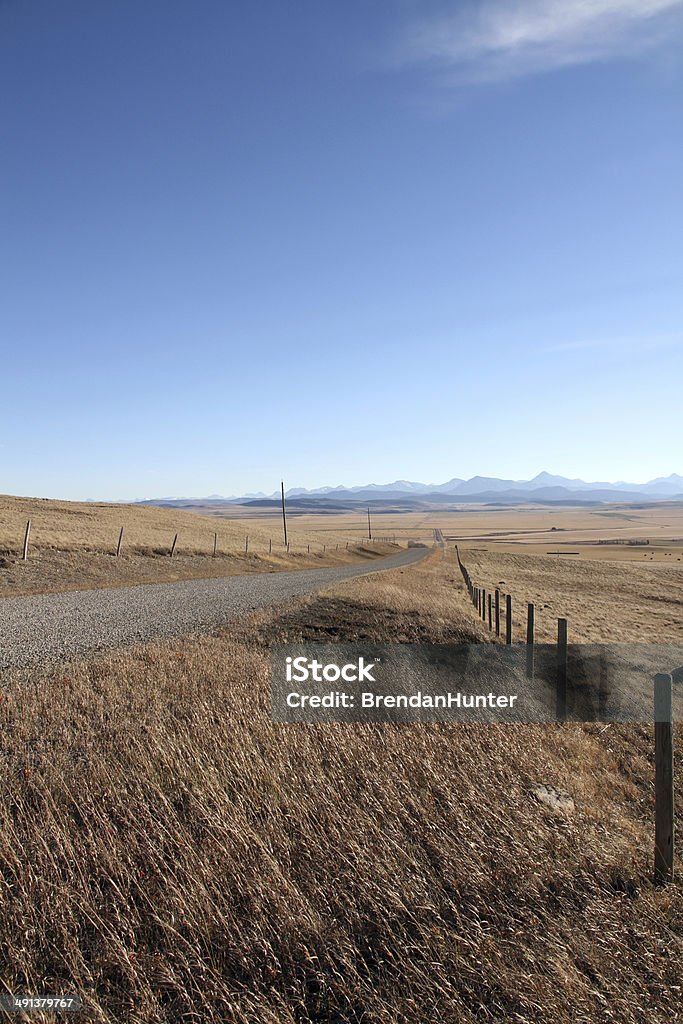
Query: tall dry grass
x=170 y=854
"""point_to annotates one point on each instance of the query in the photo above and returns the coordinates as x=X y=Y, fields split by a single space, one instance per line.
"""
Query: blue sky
x=338 y=243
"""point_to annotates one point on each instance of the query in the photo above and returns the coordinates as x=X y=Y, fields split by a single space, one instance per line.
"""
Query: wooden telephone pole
x=284 y=512
x=369 y=526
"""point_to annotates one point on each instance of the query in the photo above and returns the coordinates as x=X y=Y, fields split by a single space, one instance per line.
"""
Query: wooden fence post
x=26 y=537
x=246 y=544
x=215 y=544
x=664 y=779
x=490 y=603
x=561 y=681
x=497 y=603
x=175 y=541
x=508 y=618
x=530 y=641
x=118 y=546
x=270 y=546
x=483 y=604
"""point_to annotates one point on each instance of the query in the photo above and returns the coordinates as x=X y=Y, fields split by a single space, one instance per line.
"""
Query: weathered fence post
x=497 y=612
x=483 y=604
x=561 y=680
x=664 y=779
x=246 y=544
x=270 y=546
x=490 y=603
x=530 y=641
x=118 y=546
x=26 y=537
x=215 y=544
x=508 y=618
x=173 y=545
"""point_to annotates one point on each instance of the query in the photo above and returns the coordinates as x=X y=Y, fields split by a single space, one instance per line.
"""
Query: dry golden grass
x=73 y=545
x=429 y=592
x=538 y=529
x=604 y=601
x=170 y=854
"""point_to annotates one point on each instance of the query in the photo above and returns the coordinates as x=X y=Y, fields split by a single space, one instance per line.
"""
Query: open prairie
x=605 y=532
x=604 y=601
x=73 y=545
x=615 y=571
x=196 y=861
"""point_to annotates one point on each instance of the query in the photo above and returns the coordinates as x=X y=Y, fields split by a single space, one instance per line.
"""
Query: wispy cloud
x=494 y=39
x=649 y=343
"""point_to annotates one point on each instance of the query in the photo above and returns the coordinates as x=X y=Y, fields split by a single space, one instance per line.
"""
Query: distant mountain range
x=545 y=488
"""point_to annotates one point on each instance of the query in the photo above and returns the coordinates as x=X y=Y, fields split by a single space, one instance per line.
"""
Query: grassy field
x=73 y=545
x=604 y=601
x=170 y=854
x=528 y=528
x=609 y=592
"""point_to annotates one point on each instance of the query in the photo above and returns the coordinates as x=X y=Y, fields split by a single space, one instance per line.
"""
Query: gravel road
x=52 y=627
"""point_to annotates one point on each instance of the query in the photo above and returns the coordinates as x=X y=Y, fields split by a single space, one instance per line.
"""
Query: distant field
x=530 y=528
x=608 y=601
x=608 y=591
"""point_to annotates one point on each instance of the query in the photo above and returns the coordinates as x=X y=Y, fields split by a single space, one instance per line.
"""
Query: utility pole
x=284 y=513
x=369 y=527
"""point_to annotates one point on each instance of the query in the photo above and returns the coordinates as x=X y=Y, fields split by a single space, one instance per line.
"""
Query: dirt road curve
x=52 y=627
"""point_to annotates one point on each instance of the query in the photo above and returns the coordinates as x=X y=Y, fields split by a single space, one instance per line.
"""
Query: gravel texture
x=53 y=627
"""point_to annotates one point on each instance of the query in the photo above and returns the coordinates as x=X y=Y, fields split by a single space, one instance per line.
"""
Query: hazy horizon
x=292 y=485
